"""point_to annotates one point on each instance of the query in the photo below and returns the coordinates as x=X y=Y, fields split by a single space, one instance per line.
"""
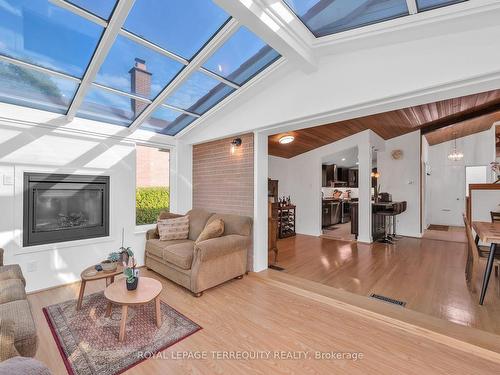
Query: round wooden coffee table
x=147 y=290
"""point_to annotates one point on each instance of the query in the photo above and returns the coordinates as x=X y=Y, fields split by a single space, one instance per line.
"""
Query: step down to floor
x=277 y=268
x=388 y=300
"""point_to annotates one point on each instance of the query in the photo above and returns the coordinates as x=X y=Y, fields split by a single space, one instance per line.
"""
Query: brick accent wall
x=222 y=181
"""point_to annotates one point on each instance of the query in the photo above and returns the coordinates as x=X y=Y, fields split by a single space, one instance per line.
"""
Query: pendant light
x=455 y=155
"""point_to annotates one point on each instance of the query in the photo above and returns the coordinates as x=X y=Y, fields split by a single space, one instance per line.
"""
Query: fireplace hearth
x=61 y=207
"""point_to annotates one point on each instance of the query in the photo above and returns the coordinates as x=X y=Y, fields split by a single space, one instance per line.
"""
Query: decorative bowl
x=108 y=266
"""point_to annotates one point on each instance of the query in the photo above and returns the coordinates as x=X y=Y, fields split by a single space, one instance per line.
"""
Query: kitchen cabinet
x=331 y=213
x=328 y=175
x=352 y=181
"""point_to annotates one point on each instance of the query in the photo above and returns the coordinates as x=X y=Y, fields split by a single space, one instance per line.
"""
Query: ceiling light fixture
x=286 y=139
x=455 y=155
x=343 y=159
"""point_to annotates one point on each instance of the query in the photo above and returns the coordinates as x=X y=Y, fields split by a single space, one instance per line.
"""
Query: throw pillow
x=174 y=229
x=213 y=229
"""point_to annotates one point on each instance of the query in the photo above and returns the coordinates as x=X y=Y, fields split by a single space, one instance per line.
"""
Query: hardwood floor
x=339 y=232
x=426 y=274
x=253 y=315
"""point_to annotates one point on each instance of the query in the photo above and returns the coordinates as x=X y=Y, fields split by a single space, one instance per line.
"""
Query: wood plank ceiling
x=443 y=120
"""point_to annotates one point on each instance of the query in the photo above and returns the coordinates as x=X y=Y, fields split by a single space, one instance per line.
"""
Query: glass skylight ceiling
x=46 y=47
x=326 y=17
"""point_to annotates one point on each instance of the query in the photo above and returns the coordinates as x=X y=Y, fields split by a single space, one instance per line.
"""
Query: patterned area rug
x=88 y=340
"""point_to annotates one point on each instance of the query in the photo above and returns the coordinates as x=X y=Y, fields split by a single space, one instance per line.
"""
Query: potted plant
x=110 y=264
x=125 y=253
x=131 y=274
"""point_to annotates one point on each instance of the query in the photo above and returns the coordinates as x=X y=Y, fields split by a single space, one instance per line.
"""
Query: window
x=475 y=175
x=431 y=4
x=167 y=121
x=329 y=17
x=152 y=184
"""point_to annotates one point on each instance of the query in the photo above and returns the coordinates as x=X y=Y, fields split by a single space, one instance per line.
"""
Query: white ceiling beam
x=219 y=78
x=37 y=68
x=173 y=108
x=122 y=93
x=117 y=20
x=274 y=23
x=218 y=40
x=412 y=6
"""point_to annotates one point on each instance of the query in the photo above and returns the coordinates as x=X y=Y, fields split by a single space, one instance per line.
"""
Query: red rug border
x=68 y=365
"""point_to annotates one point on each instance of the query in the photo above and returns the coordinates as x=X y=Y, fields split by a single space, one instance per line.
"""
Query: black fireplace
x=60 y=207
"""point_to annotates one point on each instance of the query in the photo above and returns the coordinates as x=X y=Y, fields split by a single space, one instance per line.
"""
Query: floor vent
x=277 y=268
x=388 y=300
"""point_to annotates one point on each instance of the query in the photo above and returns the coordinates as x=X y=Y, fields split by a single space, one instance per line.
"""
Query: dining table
x=487 y=232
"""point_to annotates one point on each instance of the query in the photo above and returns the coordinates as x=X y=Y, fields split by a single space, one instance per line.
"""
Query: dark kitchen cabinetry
x=331 y=213
x=328 y=175
x=352 y=181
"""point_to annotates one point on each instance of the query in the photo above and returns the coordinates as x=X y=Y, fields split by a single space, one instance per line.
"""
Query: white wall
x=278 y=170
x=401 y=178
x=446 y=184
x=304 y=181
x=26 y=146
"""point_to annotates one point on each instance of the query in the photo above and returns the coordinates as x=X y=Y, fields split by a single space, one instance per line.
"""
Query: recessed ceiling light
x=343 y=159
x=286 y=139
x=357 y=163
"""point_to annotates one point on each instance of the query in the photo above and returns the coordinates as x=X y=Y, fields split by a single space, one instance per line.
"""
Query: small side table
x=109 y=276
x=147 y=290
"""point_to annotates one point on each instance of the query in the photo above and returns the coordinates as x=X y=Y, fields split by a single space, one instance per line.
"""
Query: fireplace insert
x=61 y=207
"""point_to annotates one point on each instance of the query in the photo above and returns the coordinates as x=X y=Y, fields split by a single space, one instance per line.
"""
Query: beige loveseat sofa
x=17 y=328
x=198 y=267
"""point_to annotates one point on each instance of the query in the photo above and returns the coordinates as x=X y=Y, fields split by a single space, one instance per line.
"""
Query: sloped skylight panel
x=199 y=93
x=180 y=26
x=325 y=17
x=431 y=4
x=101 y=8
x=135 y=69
x=30 y=88
x=105 y=106
x=43 y=34
x=242 y=57
x=167 y=121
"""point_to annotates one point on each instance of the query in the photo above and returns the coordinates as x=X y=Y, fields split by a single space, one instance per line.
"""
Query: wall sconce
x=235 y=143
x=375 y=174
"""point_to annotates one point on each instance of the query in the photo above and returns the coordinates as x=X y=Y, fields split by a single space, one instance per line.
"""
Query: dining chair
x=474 y=254
x=495 y=216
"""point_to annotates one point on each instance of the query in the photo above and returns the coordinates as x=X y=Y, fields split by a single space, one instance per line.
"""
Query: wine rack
x=286 y=221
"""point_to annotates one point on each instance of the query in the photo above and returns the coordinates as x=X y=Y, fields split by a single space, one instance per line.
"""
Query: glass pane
x=133 y=68
x=180 y=26
x=101 y=8
x=431 y=4
x=44 y=34
x=199 y=93
x=167 y=121
x=325 y=17
x=101 y=105
x=243 y=56
x=29 y=88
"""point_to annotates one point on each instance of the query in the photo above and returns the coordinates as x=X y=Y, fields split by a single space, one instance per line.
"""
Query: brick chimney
x=140 y=81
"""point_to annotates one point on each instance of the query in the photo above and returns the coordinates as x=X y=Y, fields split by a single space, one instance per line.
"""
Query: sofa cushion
x=180 y=254
x=25 y=339
x=12 y=271
x=7 y=348
x=177 y=252
x=25 y=366
x=174 y=229
x=198 y=218
x=165 y=215
x=11 y=290
x=234 y=224
x=213 y=229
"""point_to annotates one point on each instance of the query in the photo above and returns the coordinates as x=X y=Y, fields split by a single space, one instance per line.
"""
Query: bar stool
x=399 y=208
x=386 y=213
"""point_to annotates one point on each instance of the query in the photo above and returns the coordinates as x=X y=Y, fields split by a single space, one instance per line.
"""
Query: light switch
x=8 y=179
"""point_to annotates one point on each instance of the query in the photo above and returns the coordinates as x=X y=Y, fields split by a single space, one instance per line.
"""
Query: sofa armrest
x=7 y=348
x=220 y=246
x=152 y=234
